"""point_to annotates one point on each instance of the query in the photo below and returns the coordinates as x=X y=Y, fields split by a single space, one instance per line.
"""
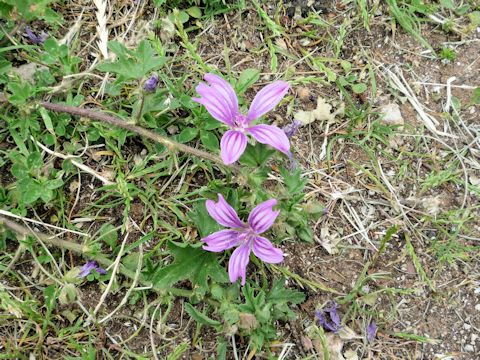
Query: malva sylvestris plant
x=246 y=236
x=221 y=102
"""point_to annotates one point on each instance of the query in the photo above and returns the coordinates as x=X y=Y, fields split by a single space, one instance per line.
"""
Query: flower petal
x=223 y=213
x=237 y=265
x=219 y=99
x=221 y=240
x=271 y=135
x=262 y=216
x=226 y=89
x=232 y=146
x=265 y=251
x=266 y=99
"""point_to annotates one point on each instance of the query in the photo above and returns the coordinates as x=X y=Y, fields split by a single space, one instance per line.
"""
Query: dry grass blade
x=399 y=82
x=102 y=30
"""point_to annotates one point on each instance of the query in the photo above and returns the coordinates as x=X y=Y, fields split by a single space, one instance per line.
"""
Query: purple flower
x=151 y=84
x=291 y=128
x=221 y=102
x=245 y=236
x=371 y=331
x=88 y=267
x=329 y=318
x=35 y=39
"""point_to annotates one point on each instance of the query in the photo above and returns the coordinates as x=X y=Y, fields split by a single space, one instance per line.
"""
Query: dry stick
x=83 y=250
x=113 y=120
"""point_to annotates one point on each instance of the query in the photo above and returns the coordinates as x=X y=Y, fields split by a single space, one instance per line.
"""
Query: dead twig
x=113 y=120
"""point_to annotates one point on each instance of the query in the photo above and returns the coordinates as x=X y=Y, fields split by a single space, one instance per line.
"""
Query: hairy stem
x=113 y=120
x=83 y=250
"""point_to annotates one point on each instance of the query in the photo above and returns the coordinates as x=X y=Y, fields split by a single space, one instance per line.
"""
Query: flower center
x=240 y=123
x=246 y=236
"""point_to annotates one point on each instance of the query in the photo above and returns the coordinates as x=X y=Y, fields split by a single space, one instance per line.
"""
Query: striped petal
x=223 y=213
x=271 y=135
x=265 y=251
x=267 y=98
x=232 y=146
x=237 y=265
x=219 y=99
x=221 y=240
x=262 y=216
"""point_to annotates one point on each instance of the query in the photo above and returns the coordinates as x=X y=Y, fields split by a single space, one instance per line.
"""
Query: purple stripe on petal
x=267 y=98
x=265 y=251
x=225 y=89
x=223 y=213
x=215 y=103
x=262 y=216
x=221 y=240
x=232 y=146
x=237 y=265
x=271 y=135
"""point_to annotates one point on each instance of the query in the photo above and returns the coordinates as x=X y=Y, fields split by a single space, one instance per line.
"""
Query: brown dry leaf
x=247 y=321
x=322 y=112
x=26 y=72
x=329 y=241
x=335 y=346
x=306 y=343
x=351 y=355
x=346 y=333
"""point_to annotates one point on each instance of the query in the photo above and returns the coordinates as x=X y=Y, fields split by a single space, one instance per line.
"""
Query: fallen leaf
x=247 y=321
x=322 y=112
x=329 y=241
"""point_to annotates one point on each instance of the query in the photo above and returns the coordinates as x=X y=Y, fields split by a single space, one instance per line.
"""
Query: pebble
x=391 y=114
x=467 y=326
x=477 y=307
x=469 y=348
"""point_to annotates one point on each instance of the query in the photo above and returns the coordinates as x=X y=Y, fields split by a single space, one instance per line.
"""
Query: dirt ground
x=425 y=306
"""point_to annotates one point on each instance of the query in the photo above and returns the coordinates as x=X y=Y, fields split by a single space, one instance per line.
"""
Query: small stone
x=172 y=129
x=477 y=307
x=469 y=348
x=467 y=326
x=391 y=115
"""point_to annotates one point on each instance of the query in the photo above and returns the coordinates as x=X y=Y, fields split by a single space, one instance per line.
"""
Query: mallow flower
x=245 y=236
x=221 y=102
x=90 y=266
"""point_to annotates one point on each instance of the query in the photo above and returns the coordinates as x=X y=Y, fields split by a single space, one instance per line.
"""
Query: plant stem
x=83 y=250
x=113 y=120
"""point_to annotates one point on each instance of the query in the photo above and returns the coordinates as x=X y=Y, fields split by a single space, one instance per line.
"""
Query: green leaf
x=203 y=221
x=359 y=88
x=196 y=265
x=133 y=64
x=187 y=134
x=194 y=12
x=19 y=171
x=30 y=190
x=200 y=317
x=34 y=161
x=209 y=140
x=293 y=180
x=247 y=78
x=47 y=120
x=279 y=294
x=256 y=155
x=305 y=234
x=109 y=235
x=476 y=96
x=54 y=184
x=448 y=4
